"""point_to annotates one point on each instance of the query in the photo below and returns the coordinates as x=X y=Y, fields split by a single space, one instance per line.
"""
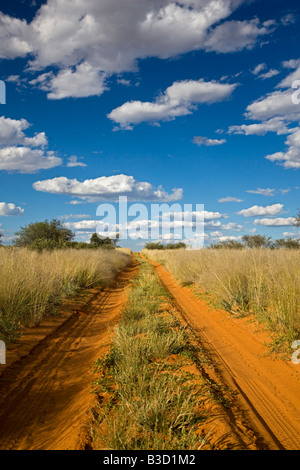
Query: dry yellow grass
x=264 y=282
x=124 y=250
x=31 y=283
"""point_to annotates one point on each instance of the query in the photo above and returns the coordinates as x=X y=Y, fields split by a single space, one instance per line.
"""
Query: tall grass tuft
x=260 y=281
x=32 y=283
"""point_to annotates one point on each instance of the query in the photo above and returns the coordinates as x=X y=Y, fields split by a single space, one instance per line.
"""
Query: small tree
x=297 y=223
x=95 y=240
x=154 y=246
x=175 y=246
x=288 y=243
x=1 y=235
x=229 y=244
x=43 y=235
x=257 y=241
x=104 y=242
x=116 y=239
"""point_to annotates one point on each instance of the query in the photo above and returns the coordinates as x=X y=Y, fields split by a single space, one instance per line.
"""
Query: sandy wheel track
x=268 y=389
x=45 y=397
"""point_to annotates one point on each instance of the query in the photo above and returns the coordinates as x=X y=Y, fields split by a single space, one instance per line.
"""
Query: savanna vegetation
x=45 y=267
x=261 y=281
x=168 y=246
x=149 y=398
x=49 y=235
x=258 y=241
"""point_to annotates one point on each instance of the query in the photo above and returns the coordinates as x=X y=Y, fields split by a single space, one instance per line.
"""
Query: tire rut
x=45 y=397
x=267 y=388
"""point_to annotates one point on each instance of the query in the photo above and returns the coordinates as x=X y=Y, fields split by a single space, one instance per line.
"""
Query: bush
x=169 y=246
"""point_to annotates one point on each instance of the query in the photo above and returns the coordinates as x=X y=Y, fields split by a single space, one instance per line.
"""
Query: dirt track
x=45 y=397
x=268 y=389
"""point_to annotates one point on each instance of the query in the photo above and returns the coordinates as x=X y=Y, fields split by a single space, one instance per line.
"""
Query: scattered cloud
x=233 y=36
x=270 y=74
x=232 y=226
x=284 y=191
x=262 y=192
x=198 y=140
x=294 y=235
x=87 y=41
x=229 y=199
x=107 y=189
x=13 y=79
x=123 y=81
x=280 y=222
x=290 y=158
x=288 y=19
x=7 y=209
x=216 y=234
x=26 y=160
x=277 y=125
x=85 y=225
x=212 y=225
x=15 y=37
x=278 y=104
x=72 y=162
x=259 y=68
x=85 y=80
x=74 y=216
x=179 y=215
x=12 y=133
x=227 y=238
x=75 y=202
x=21 y=153
x=260 y=210
x=257 y=71
x=179 y=99
x=277 y=112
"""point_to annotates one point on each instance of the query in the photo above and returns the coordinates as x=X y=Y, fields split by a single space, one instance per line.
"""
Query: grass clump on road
x=146 y=402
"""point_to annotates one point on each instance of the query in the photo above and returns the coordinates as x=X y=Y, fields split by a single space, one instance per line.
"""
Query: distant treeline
x=257 y=241
x=160 y=246
x=49 y=235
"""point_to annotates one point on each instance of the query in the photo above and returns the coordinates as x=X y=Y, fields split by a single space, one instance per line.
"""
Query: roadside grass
x=34 y=284
x=149 y=394
x=262 y=282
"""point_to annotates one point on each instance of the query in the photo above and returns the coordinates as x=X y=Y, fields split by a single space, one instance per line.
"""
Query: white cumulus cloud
x=277 y=112
x=229 y=199
x=179 y=99
x=26 y=160
x=107 y=189
x=268 y=192
x=87 y=41
x=279 y=222
x=198 y=140
x=7 y=209
x=260 y=210
x=21 y=153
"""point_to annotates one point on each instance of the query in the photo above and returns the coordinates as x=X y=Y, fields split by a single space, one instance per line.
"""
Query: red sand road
x=268 y=388
x=45 y=396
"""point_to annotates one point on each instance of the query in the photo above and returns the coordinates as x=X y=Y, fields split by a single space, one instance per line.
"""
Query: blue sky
x=187 y=102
